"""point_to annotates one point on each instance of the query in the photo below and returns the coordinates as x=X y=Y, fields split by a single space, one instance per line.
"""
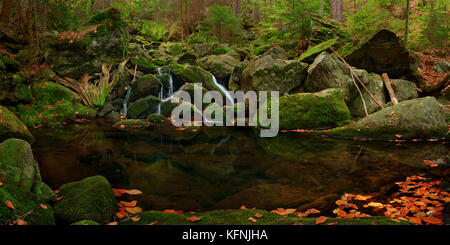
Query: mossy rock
x=222 y=66
x=221 y=49
x=47 y=93
x=27 y=207
x=150 y=66
x=156 y=118
x=132 y=123
x=241 y=217
x=86 y=222
x=11 y=64
x=313 y=110
x=12 y=127
x=375 y=84
x=314 y=51
x=88 y=199
x=193 y=74
x=421 y=118
x=144 y=86
x=142 y=107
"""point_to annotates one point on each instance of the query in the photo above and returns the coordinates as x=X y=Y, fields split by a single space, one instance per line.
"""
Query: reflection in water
x=218 y=167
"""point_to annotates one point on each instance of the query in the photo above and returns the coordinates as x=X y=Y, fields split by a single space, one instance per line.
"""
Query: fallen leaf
x=362 y=198
x=258 y=215
x=375 y=205
x=312 y=211
x=290 y=211
x=341 y=213
x=1 y=183
x=134 y=210
x=120 y=215
x=59 y=198
x=10 y=205
x=321 y=220
x=129 y=204
x=169 y=211
x=153 y=223
x=252 y=220
x=193 y=219
x=415 y=220
x=134 y=192
x=243 y=207
x=20 y=222
x=113 y=223
x=43 y=206
x=136 y=218
x=432 y=220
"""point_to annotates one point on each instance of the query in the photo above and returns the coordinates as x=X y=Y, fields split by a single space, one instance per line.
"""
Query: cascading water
x=125 y=102
x=223 y=89
x=161 y=92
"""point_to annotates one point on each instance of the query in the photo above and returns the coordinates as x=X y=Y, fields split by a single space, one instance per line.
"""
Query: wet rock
x=222 y=66
x=12 y=127
x=384 y=53
x=375 y=84
x=144 y=86
x=313 y=110
x=268 y=74
x=141 y=108
x=88 y=199
x=409 y=119
x=404 y=90
x=132 y=123
x=188 y=58
x=328 y=71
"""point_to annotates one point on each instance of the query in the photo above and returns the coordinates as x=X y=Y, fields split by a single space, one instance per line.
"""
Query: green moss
x=27 y=207
x=86 y=222
x=132 y=123
x=156 y=118
x=261 y=49
x=240 y=217
x=10 y=64
x=47 y=93
x=221 y=50
x=2 y=67
x=88 y=199
x=144 y=64
x=16 y=79
x=12 y=127
x=313 y=51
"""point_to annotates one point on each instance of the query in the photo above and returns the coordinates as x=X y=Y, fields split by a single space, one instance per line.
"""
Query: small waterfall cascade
x=169 y=93
x=125 y=102
x=223 y=90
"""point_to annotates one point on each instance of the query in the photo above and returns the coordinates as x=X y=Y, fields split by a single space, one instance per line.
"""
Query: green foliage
x=222 y=24
x=434 y=19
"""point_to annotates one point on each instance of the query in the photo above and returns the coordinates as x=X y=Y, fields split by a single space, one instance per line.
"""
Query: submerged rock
x=409 y=119
x=12 y=127
x=328 y=71
x=313 y=110
x=268 y=74
x=88 y=199
x=384 y=53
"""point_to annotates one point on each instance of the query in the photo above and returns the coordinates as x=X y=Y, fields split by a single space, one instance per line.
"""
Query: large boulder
x=194 y=74
x=49 y=93
x=12 y=127
x=277 y=53
x=375 y=84
x=384 y=53
x=144 y=86
x=142 y=107
x=328 y=71
x=222 y=66
x=404 y=90
x=313 y=110
x=409 y=119
x=18 y=167
x=268 y=74
x=89 y=199
x=314 y=51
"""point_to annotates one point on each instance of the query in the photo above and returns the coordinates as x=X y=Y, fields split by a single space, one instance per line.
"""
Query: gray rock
x=375 y=84
x=442 y=67
x=222 y=66
x=144 y=86
x=404 y=90
x=141 y=108
x=277 y=53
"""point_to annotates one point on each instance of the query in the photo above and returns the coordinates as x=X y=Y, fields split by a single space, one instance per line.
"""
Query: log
x=387 y=82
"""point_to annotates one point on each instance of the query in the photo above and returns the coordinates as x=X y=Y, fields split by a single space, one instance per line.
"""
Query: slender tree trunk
x=407 y=24
x=336 y=10
x=181 y=21
x=6 y=10
x=237 y=8
x=30 y=32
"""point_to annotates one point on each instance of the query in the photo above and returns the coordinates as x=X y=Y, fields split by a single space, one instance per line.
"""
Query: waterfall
x=125 y=101
x=223 y=89
x=161 y=92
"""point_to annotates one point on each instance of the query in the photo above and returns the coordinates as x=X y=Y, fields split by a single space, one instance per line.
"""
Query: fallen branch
x=357 y=78
x=387 y=82
x=360 y=94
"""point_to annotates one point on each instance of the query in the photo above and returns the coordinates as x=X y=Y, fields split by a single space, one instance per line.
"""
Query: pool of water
x=219 y=167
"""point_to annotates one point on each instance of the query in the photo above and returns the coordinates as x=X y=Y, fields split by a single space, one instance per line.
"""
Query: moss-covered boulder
x=193 y=74
x=18 y=167
x=132 y=123
x=404 y=90
x=375 y=84
x=12 y=127
x=27 y=207
x=268 y=74
x=384 y=52
x=222 y=66
x=157 y=118
x=314 y=51
x=86 y=222
x=144 y=86
x=409 y=119
x=277 y=53
x=313 y=110
x=48 y=93
x=328 y=71
x=88 y=199
x=142 y=107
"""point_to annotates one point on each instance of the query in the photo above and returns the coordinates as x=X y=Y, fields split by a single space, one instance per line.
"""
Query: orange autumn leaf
x=134 y=192
x=20 y=222
x=59 y=198
x=362 y=198
x=252 y=220
x=398 y=135
x=312 y=211
x=134 y=210
x=243 y=207
x=193 y=219
x=341 y=213
x=129 y=204
x=43 y=206
x=415 y=220
x=1 y=183
x=258 y=215
x=136 y=218
x=121 y=215
x=432 y=220
x=113 y=223
x=341 y=202
x=169 y=211
x=321 y=220
x=290 y=211
x=10 y=205
x=153 y=223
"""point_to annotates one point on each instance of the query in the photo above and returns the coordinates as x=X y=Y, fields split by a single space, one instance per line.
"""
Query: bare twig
x=387 y=82
x=360 y=94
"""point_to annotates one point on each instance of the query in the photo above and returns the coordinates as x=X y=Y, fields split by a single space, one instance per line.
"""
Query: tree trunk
x=181 y=21
x=6 y=10
x=336 y=10
x=407 y=24
x=237 y=8
x=30 y=32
